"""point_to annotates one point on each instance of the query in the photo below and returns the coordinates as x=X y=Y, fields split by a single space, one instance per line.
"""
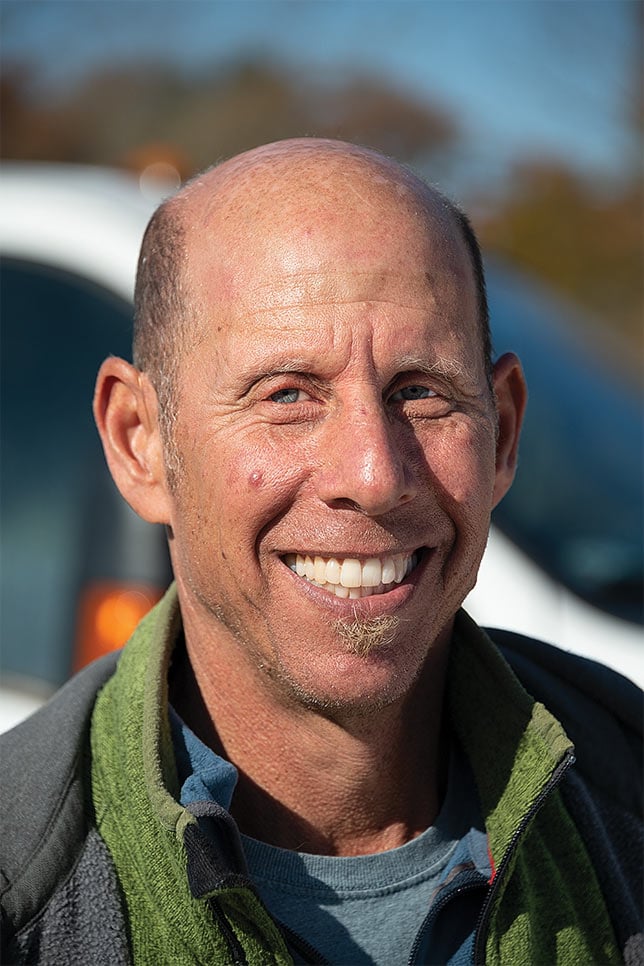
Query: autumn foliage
x=584 y=241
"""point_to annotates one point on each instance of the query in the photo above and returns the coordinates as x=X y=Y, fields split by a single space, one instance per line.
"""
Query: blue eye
x=285 y=396
x=412 y=393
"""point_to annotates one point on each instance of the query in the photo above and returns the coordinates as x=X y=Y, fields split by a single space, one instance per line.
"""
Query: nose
x=367 y=462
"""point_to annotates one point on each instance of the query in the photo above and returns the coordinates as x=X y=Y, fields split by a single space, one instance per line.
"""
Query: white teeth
x=350 y=577
x=320 y=570
x=399 y=564
x=333 y=571
x=371 y=572
x=351 y=573
x=388 y=571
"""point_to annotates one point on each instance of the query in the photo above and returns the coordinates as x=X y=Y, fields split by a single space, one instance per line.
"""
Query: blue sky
x=523 y=77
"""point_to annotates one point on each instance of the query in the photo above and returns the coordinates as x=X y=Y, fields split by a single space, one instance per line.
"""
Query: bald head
x=280 y=177
x=263 y=194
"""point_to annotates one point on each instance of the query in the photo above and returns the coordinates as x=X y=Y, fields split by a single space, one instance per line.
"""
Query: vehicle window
x=576 y=504
x=56 y=329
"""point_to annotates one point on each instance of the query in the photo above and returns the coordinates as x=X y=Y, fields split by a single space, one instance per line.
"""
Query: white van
x=564 y=561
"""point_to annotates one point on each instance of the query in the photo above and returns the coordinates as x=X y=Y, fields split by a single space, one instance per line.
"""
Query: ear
x=125 y=410
x=511 y=396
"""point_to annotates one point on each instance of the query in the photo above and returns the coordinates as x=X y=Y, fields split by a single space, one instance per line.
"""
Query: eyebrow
x=286 y=365
x=449 y=368
x=250 y=374
x=452 y=371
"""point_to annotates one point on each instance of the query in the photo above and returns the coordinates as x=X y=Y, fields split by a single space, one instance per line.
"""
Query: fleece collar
x=513 y=743
x=188 y=902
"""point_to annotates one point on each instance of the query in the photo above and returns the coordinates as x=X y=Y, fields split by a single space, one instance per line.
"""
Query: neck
x=347 y=784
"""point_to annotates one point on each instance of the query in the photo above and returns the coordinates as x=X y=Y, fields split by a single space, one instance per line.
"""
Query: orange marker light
x=108 y=612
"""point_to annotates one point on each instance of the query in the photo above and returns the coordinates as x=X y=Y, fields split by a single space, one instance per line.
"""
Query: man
x=307 y=752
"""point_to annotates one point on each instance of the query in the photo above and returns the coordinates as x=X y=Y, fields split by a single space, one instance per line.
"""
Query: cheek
x=249 y=474
x=245 y=475
x=254 y=472
x=462 y=463
x=260 y=480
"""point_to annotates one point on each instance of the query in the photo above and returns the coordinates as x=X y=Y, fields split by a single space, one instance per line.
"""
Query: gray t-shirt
x=365 y=909
x=352 y=910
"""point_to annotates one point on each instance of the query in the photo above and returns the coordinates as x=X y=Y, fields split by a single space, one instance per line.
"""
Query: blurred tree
x=585 y=239
x=585 y=243
x=368 y=112
x=117 y=111
x=549 y=221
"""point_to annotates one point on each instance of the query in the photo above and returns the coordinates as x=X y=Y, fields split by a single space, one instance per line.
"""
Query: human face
x=333 y=418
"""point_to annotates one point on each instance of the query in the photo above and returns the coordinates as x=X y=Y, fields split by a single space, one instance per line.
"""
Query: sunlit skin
x=332 y=402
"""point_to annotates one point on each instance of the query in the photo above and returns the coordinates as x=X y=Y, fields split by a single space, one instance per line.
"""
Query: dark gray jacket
x=60 y=896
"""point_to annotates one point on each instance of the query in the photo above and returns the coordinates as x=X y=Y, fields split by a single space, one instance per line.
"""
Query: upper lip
x=353 y=554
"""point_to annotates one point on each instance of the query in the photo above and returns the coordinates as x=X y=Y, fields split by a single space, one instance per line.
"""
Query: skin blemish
x=256 y=479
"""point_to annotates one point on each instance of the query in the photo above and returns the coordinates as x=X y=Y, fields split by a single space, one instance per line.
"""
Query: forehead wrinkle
x=286 y=306
x=319 y=288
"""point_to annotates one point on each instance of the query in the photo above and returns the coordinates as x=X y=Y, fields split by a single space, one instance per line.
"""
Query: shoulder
x=42 y=793
x=600 y=710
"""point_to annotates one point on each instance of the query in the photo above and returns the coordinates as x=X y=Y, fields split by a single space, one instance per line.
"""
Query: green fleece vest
x=134 y=789
x=549 y=908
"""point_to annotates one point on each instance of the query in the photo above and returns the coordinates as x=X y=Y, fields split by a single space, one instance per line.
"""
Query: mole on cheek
x=256 y=479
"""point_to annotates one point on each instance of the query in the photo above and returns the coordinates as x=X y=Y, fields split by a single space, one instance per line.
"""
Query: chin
x=349 y=683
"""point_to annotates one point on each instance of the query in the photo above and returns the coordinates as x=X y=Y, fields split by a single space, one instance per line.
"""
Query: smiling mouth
x=351 y=578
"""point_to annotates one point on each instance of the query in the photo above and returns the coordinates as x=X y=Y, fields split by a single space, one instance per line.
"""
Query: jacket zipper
x=304 y=948
x=238 y=956
x=484 y=917
x=465 y=882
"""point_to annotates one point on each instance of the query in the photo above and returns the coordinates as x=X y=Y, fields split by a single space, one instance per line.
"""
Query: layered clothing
x=102 y=864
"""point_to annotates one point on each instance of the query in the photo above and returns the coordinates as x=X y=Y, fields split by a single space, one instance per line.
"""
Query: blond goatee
x=363 y=636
